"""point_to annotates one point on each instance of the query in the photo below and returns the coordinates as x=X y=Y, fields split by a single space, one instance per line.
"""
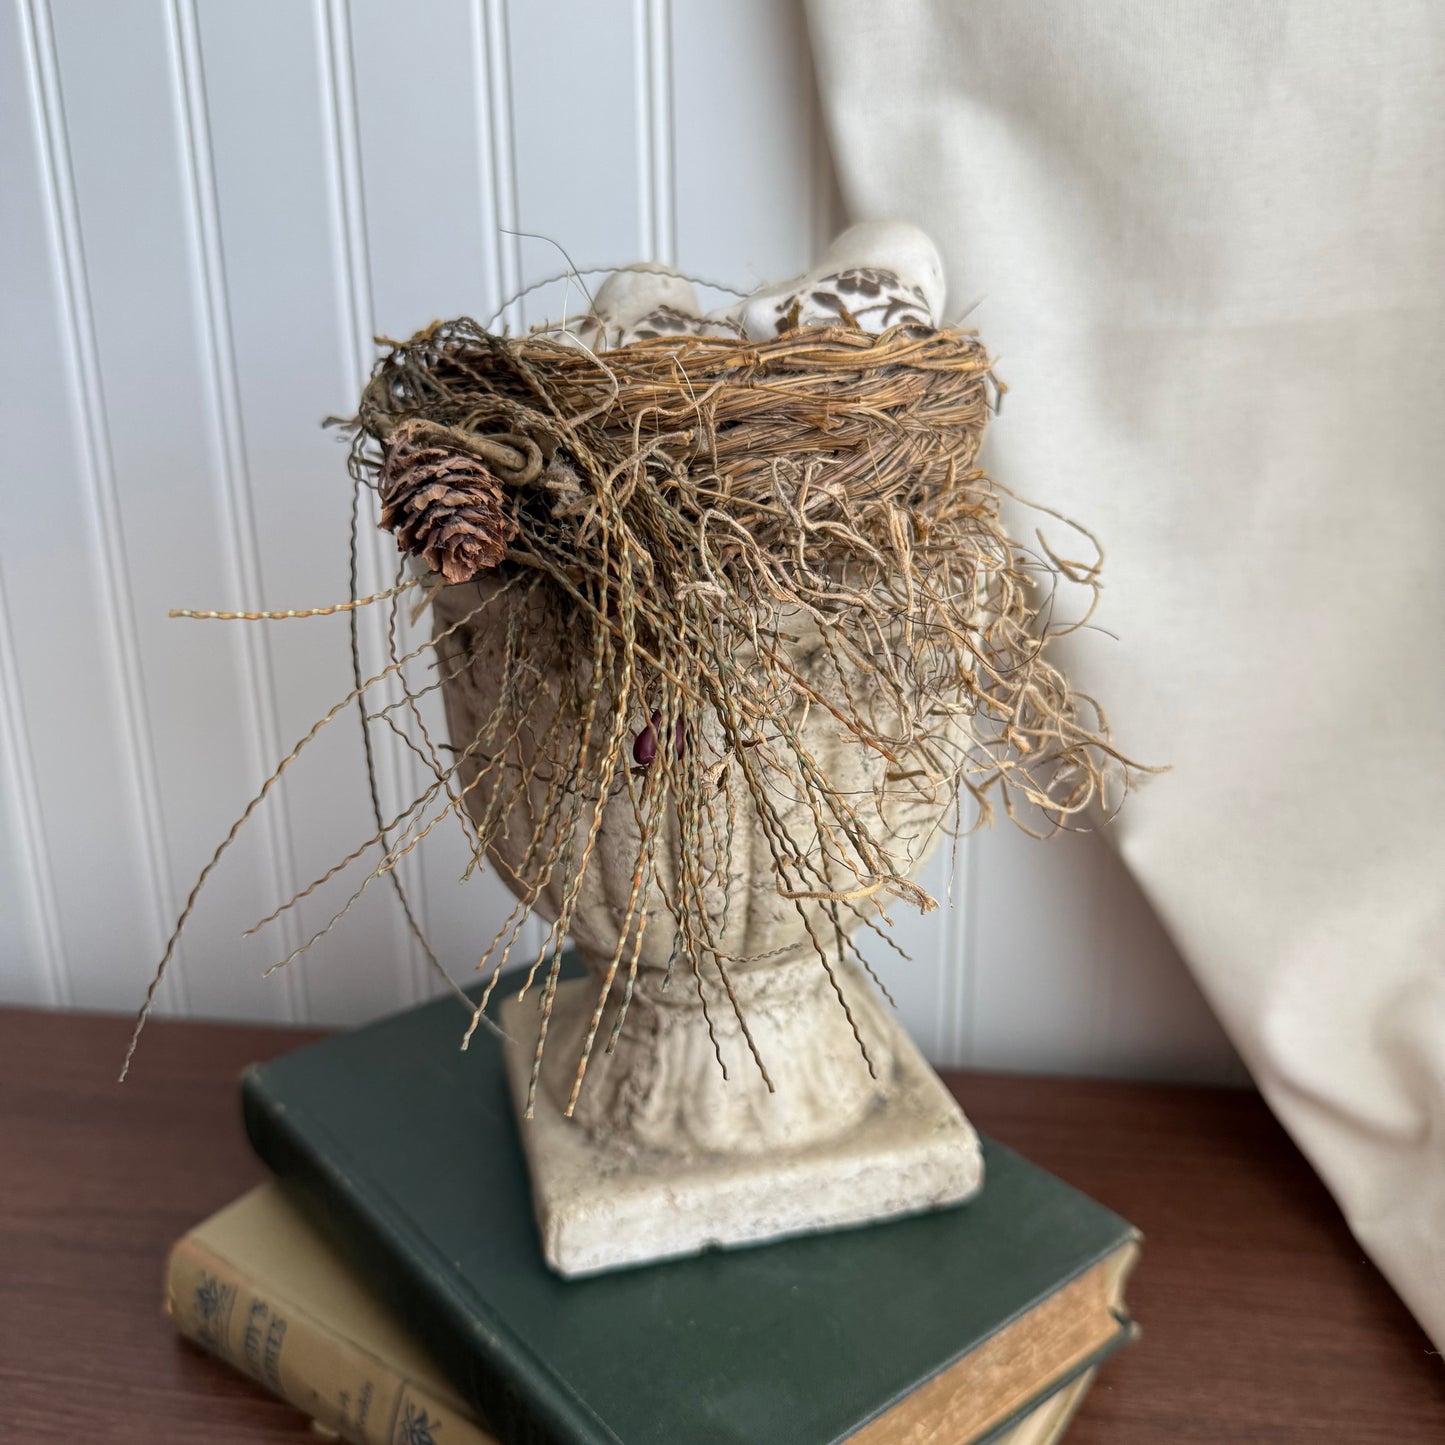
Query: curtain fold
x=1207 y=245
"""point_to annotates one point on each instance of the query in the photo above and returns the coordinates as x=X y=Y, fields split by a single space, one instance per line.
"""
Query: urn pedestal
x=664 y=1156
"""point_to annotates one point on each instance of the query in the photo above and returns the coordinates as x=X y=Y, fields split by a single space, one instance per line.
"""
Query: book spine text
x=344 y=1388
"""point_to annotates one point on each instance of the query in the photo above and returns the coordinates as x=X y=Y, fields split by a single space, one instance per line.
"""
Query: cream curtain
x=1207 y=243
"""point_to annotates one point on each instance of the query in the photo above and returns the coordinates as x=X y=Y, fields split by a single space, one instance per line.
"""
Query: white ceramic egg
x=878 y=274
x=641 y=302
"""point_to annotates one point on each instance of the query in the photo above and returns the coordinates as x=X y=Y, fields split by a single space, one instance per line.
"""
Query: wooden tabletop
x=1262 y=1321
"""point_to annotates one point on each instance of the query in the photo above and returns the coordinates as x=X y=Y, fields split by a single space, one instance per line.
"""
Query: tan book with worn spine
x=259 y=1287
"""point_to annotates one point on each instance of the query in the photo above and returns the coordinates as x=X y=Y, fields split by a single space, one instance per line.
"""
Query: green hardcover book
x=942 y=1329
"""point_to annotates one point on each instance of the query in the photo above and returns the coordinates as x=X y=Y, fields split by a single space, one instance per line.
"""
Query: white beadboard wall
x=206 y=212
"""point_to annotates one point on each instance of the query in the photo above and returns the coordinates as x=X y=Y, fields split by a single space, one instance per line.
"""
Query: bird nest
x=681 y=508
x=685 y=505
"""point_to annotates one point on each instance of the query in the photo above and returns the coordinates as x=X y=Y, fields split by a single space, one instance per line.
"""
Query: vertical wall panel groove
x=100 y=475
x=494 y=83
x=952 y=935
x=257 y=675
x=486 y=156
x=355 y=303
x=395 y=769
x=966 y=962
x=18 y=766
x=652 y=25
x=641 y=101
x=506 y=219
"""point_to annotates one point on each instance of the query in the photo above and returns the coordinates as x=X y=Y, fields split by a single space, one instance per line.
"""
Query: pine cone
x=443 y=505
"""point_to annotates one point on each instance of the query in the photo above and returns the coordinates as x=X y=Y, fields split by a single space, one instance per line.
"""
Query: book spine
x=508 y=1388
x=345 y=1389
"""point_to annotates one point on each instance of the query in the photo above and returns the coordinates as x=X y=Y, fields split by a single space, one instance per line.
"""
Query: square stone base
x=604 y=1207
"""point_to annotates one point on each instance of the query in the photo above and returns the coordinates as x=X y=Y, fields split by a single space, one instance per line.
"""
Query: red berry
x=644 y=745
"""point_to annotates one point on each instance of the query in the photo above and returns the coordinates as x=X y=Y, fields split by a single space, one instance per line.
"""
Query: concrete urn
x=674 y=1141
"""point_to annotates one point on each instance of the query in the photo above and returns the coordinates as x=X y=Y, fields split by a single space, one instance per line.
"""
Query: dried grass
x=683 y=505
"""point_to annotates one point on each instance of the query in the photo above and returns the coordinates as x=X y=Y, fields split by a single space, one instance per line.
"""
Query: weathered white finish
x=183 y=295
